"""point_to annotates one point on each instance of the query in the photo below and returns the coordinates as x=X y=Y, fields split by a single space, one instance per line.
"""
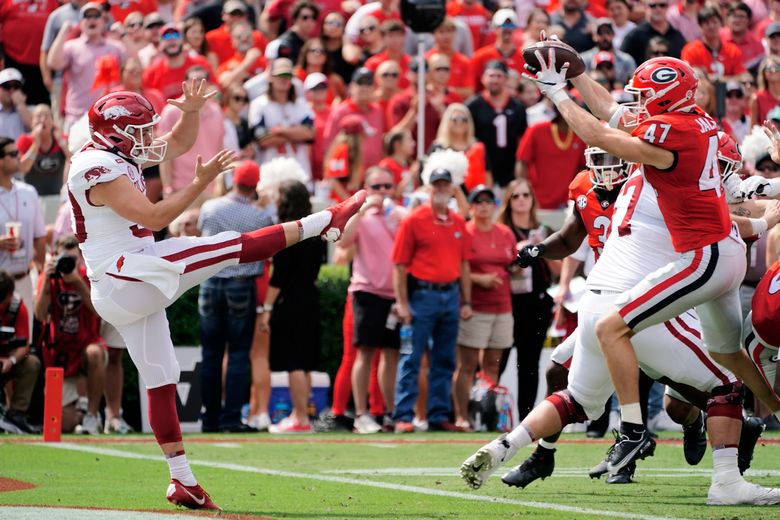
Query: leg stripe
x=687 y=328
x=757 y=360
x=704 y=278
x=699 y=354
x=175 y=257
x=210 y=261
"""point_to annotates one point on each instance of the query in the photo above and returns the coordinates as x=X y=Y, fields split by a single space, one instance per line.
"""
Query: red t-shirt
x=476 y=173
x=594 y=214
x=121 y=8
x=318 y=146
x=377 y=59
x=766 y=102
x=476 y=17
x=221 y=44
x=337 y=167
x=491 y=252
x=699 y=55
x=21 y=327
x=690 y=194
x=550 y=168
x=168 y=80
x=22 y=23
x=460 y=69
x=489 y=53
x=432 y=249
x=766 y=307
x=397 y=169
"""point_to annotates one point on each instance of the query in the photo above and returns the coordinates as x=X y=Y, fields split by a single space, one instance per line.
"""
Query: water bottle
x=392 y=320
x=406 y=340
x=387 y=205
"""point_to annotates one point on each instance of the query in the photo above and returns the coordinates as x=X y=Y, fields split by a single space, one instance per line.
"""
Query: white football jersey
x=639 y=241
x=103 y=235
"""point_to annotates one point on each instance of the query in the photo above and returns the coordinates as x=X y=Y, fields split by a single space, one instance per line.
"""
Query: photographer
x=71 y=334
x=16 y=365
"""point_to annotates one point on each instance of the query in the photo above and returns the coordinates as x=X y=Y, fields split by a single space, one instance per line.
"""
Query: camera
x=65 y=264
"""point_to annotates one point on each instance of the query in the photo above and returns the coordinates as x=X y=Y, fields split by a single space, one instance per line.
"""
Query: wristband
x=559 y=96
x=614 y=121
x=268 y=307
x=759 y=225
x=260 y=309
x=12 y=359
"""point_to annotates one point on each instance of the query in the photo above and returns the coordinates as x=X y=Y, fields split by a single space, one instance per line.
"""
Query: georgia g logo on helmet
x=115 y=112
x=663 y=75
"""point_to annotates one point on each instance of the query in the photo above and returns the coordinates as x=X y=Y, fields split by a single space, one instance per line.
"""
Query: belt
x=431 y=286
x=21 y=275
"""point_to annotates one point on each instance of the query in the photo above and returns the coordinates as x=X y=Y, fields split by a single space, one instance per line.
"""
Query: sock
x=261 y=244
x=546 y=445
x=314 y=224
x=180 y=468
x=519 y=437
x=163 y=417
x=631 y=413
x=724 y=464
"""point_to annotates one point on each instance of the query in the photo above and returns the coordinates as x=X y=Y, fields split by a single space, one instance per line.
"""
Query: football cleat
x=752 y=428
x=340 y=215
x=623 y=476
x=476 y=469
x=192 y=497
x=741 y=492
x=626 y=450
x=695 y=440
x=539 y=465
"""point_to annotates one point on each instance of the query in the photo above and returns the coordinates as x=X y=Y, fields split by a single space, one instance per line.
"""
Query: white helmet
x=606 y=170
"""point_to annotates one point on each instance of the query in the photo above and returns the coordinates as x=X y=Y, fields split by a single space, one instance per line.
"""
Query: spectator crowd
x=320 y=99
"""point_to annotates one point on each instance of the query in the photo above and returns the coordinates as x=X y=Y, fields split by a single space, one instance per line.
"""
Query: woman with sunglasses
x=332 y=36
x=133 y=39
x=370 y=40
x=767 y=96
x=314 y=58
x=456 y=132
x=531 y=305
x=238 y=136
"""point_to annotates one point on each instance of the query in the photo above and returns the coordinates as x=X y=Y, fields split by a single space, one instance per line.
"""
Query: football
x=563 y=53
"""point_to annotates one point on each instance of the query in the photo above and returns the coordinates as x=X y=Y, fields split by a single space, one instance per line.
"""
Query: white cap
x=506 y=18
x=314 y=79
x=10 y=74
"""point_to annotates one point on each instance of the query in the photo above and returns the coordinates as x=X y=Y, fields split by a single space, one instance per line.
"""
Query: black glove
x=528 y=254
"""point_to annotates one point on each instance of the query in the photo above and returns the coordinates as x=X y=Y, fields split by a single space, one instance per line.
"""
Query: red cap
x=353 y=124
x=603 y=57
x=247 y=173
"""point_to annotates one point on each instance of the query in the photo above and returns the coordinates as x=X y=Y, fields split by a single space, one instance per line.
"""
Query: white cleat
x=478 y=468
x=741 y=492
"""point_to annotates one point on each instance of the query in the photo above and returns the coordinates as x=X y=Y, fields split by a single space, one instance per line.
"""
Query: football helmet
x=729 y=155
x=660 y=85
x=606 y=170
x=123 y=122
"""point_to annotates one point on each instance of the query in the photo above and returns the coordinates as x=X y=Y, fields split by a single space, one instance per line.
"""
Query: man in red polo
x=461 y=76
x=432 y=284
x=720 y=59
x=393 y=37
x=220 y=39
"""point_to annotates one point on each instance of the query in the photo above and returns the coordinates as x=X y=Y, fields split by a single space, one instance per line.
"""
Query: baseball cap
x=505 y=19
x=90 y=6
x=772 y=28
x=440 y=174
x=278 y=49
x=169 y=28
x=414 y=65
x=734 y=86
x=497 y=65
x=314 y=80
x=603 y=57
x=479 y=190
x=247 y=173
x=234 y=5
x=153 y=19
x=603 y=22
x=363 y=76
x=10 y=74
x=353 y=124
x=281 y=67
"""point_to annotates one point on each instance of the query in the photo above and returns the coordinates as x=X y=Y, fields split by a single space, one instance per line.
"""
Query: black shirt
x=294 y=42
x=635 y=43
x=500 y=131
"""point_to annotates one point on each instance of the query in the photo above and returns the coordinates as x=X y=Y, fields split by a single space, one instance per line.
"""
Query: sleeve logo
x=95 y=173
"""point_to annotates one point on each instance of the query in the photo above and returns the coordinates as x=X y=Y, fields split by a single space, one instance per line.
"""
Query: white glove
x=551 y=82
x=756 y=187
x=732 y=185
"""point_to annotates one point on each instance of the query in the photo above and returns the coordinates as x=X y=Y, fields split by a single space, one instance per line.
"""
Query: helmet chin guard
x=607 y=171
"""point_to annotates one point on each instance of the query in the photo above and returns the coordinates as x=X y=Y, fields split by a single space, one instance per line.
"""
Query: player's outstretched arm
x=183 y=135
x=122 y=197
x=596 y=97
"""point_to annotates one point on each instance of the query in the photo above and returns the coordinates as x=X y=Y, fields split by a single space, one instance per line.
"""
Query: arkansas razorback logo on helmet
x=115 y=112
x=96 y=172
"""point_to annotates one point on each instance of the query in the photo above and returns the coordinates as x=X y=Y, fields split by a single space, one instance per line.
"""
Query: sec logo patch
x=582 y=201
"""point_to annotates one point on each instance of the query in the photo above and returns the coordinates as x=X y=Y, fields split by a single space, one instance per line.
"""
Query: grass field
x=331 y=476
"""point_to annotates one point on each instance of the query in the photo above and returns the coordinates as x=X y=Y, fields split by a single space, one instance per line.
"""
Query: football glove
x=528 y=254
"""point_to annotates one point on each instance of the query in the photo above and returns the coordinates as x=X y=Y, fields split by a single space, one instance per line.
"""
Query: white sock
x=314 y=224
x=547 y=445
x=519 y=437
x=180 y=470
x=724 y=464
x=631 y=413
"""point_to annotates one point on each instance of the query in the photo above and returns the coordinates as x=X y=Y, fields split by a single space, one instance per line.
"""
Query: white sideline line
x=355 y=482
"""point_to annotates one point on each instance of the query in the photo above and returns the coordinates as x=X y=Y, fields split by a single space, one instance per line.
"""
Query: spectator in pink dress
x=77 y=57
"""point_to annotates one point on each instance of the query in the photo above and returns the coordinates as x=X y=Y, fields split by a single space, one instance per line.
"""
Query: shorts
x=487 y=330
x=70 y=392
x=370 y=316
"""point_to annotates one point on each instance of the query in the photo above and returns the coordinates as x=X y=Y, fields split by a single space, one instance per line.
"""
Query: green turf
x=70 y=478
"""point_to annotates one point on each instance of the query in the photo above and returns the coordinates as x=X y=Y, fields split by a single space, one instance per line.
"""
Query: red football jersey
x=690 y=192
x=766 y=307
x=596 y=214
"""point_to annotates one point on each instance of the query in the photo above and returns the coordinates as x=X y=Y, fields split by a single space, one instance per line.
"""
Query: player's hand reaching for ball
x=194 y=96
x=548 y=78
x=207 y=172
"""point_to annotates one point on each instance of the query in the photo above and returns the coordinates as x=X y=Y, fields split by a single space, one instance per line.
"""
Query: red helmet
x=122 y=122
x=661 y=85
x=729 y=155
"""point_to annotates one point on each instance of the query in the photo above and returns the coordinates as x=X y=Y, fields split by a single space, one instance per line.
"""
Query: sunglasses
x=735 y=94
x=334 y=23
x=390 y=74
x=459 y=119
x=307 y=17
x=441 y=69
x=658 y=53
x=382 y=186
x=316 y=51
x=11 y=85
x=370 y=28
x=237 y=12
x=135 y=25
x=773 y=68
x=751 y=84
x=171 y=35
x=92 y=16
x=155 y=25
x=484 y=201
x=525 y=195
x=12 y=153
x=657 y=6
x=241 y=99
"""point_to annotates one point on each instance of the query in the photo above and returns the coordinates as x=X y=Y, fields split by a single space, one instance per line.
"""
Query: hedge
x=185 y=330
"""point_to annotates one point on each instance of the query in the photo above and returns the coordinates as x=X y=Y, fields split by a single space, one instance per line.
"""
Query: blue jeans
x=435 y=315
x=227 y=318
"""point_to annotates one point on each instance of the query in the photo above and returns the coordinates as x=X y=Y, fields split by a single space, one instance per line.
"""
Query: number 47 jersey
x=690 y=192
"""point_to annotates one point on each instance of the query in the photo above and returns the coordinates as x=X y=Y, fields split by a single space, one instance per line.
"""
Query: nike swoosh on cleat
x=200 y=501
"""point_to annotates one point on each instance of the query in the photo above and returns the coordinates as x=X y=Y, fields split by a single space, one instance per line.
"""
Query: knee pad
x=568 y=409
x=726 y=401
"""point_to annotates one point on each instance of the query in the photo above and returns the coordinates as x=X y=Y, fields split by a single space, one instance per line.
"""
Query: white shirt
x=20 y=204
x=265 y=114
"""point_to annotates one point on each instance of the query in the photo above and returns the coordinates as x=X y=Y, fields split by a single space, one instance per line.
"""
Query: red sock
x=261 y=244
x=162 y=414
x=342 y=386
x=376 y=402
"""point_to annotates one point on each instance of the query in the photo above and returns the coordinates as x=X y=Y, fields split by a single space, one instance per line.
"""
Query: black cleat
x=695 y=440
x=752 y=428
x=630 y=448
x=623 y=476
x=539 y=465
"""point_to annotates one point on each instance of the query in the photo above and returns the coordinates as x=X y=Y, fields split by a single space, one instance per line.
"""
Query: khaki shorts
x=487 y=330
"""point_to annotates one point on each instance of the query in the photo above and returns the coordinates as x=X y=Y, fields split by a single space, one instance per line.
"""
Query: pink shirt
x=689 y=27
x=208 y=143
x=80 y=57
x=492 y=252
x=373 y=146
x=752 y=48
x=372 y=269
